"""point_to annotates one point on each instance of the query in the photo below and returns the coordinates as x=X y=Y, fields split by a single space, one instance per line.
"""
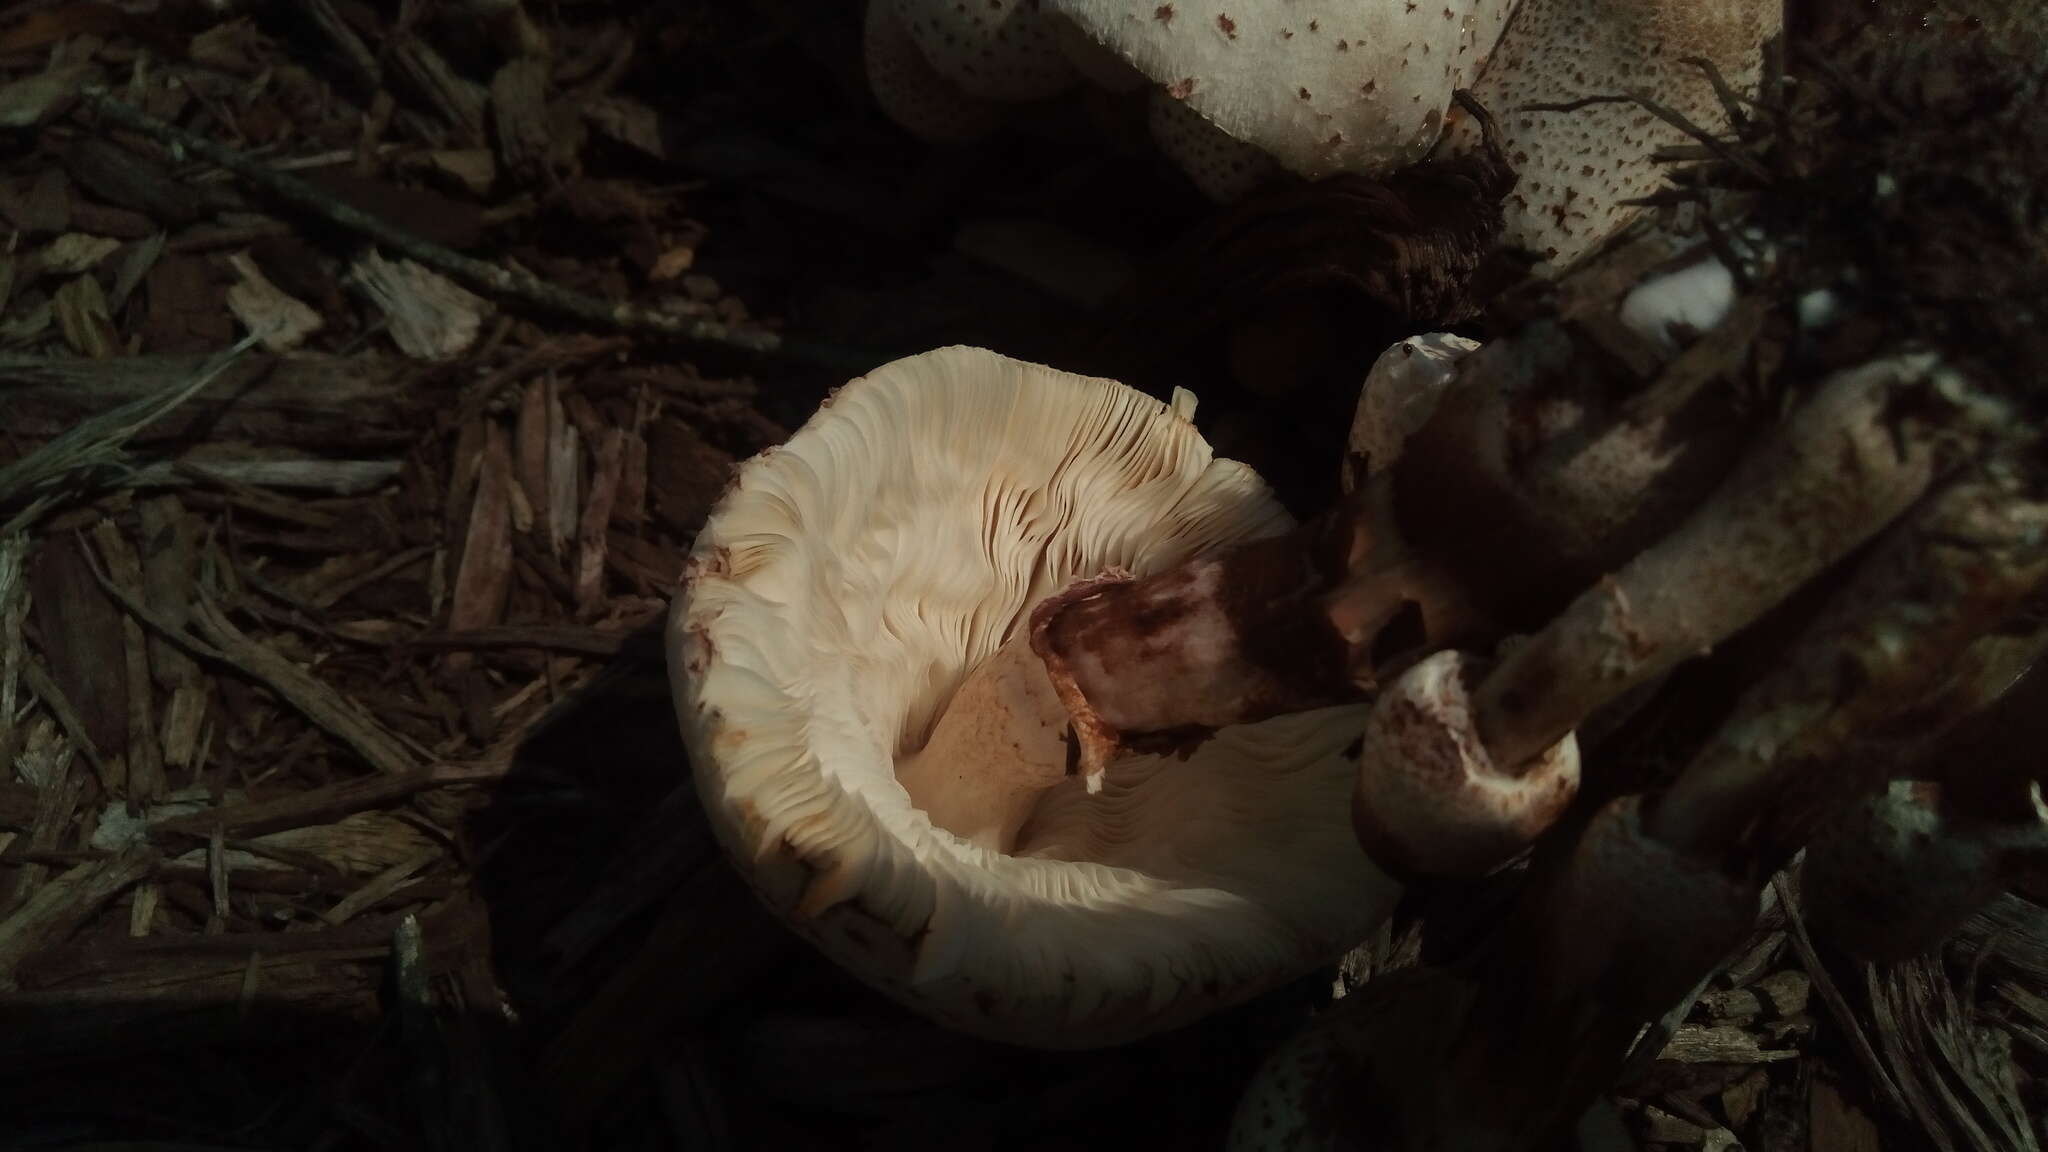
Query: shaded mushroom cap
x=1000 y=50
x=1222 y=167
x=913 y=93
x=1577 y=167
x=1321 y=86
x=879 y=568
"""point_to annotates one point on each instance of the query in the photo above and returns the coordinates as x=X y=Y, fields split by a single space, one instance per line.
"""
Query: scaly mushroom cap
x=845 y=656
x=1321 y=86
x=913 y=93
x=1223 y=168
x=1577 y=167
x=990 y=49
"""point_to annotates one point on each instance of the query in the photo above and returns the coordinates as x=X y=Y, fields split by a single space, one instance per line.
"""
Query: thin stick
x=1838 y=1006
x=479 y=274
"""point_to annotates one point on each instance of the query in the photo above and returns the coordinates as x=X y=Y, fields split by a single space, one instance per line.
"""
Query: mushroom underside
x=875 y=741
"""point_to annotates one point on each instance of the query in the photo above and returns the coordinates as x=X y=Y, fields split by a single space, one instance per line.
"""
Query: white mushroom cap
x=990 y=49
x=913 y=93
x=841 y=595
x=1577 y=167
x=1322 y=86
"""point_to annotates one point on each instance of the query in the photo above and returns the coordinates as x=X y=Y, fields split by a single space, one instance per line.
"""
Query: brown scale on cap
x=1578 y=166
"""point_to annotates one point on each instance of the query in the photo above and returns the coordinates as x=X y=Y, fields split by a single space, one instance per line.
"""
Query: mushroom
x=886 y=760
x=1585 y=150
x=1321 y=87
x=911 y=91
x=991 y=49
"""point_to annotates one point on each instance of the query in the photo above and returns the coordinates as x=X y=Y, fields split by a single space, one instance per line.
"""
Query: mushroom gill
x=874 y=742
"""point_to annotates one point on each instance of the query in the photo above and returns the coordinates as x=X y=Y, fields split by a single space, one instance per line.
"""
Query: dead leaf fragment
x=431 y=317
x=281 y=321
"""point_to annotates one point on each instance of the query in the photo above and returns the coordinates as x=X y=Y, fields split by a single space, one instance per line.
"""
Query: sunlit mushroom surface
x=842 y=593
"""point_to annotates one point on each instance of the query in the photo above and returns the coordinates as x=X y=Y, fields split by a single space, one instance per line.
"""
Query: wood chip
x=1956 y=1073
x=122 y=177
x=629 y=122
x=1661 y=1127
x=81 y=633
x=1699 y=1044
x=140 y=257
x=596 y=520
x=1836 y=1124
x=319 y=703
x=328 y=805
x=62 y=905
x=430 y=317
x=279 y=320
x=187 y=306
x=142 y=906
x=1739 y=1100
x=84 y=318
x=36 y=100
x=484 y=576
x=73 y=254
x=14 y=598
x=379 y=886
x=686 y=475
x=46 y=209
x=564 y=472
x=532 y=435
x=1780 y=995
x=473 y=170
x=524 y=134
x=145 y=781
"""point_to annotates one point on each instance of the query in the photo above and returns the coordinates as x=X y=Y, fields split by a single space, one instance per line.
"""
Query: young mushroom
x=886 y=760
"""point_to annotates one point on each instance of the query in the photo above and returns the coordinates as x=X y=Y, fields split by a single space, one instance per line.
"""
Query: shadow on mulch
x=699 y=1020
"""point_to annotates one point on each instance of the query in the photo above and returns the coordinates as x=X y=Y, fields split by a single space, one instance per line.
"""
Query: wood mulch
x=341 y=804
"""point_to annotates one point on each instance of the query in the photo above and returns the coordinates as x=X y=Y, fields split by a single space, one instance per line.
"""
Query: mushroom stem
x=1544 y=436
x=1957 y=566
x=1234 y=635
x=1844 y=465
